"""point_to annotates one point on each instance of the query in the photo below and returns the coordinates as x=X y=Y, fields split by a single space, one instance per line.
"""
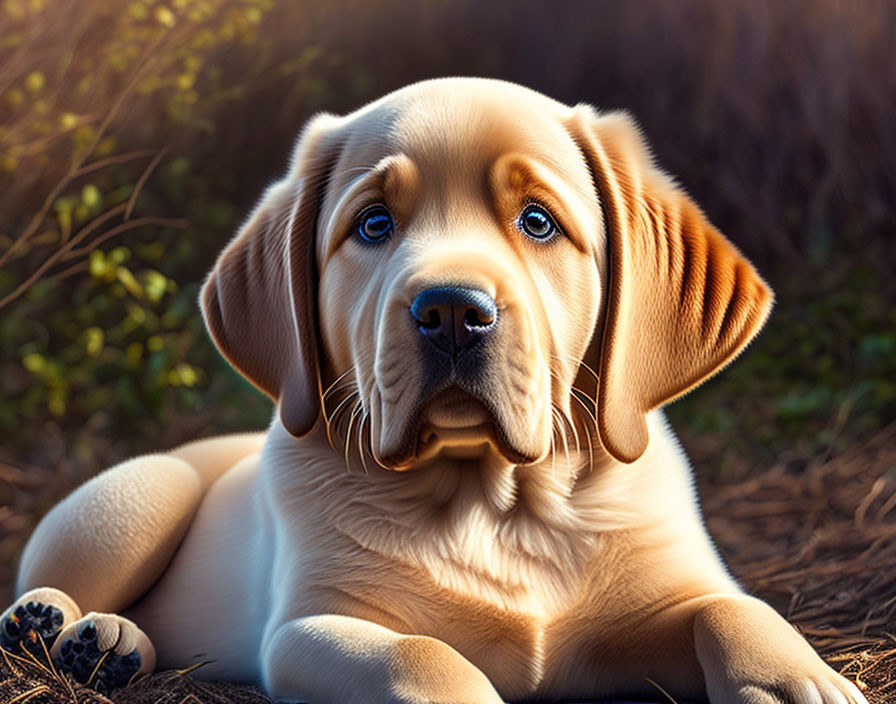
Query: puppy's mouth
x=456 y=424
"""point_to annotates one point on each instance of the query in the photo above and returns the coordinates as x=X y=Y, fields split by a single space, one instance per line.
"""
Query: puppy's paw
x=104 y=651
x=750 y=655
x=828 y=689
x=425 y=670
x=36 y=619
x=790 y=680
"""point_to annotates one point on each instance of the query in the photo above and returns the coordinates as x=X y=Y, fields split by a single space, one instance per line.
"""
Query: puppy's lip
x=465 y=442
x=455 y=409
x=434 y=440
x=429 y=433
x=454 y=423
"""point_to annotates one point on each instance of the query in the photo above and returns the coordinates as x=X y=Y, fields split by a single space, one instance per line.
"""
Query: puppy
x=468 y=301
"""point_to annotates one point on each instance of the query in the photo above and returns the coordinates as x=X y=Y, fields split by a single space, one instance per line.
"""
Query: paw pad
x=86 y=663
x=27 y=624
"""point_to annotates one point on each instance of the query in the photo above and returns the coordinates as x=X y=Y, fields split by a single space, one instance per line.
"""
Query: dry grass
x=28 y=680
x=820 y=545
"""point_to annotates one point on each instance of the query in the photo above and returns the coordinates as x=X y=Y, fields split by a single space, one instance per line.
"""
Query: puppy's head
x=455 y=255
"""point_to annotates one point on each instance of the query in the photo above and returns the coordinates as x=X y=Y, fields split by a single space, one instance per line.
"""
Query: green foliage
x=94 y=334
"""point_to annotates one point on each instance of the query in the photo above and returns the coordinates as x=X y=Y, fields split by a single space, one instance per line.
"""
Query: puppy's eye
x=536 y=222
x=375 y=224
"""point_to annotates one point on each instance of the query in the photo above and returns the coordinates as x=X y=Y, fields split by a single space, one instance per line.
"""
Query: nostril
x=431 y=321
x=478 y=318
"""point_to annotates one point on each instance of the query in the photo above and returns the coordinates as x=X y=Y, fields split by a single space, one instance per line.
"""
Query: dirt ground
x=818 y=542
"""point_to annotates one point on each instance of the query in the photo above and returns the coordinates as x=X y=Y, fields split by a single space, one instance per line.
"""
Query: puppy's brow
x=516 y=178
x=400 y=178
x=392 y=180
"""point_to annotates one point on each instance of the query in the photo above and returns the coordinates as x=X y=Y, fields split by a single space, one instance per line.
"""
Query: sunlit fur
x=364 y=551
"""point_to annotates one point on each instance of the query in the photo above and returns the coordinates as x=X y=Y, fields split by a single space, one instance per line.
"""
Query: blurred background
x=135 y=137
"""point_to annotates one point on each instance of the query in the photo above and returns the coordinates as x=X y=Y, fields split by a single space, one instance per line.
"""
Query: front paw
x=425 y=670
x=751 y=655
x=824 y=688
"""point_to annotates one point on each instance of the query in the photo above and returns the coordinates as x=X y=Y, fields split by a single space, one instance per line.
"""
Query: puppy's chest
x=515 y=571
x=474 y=587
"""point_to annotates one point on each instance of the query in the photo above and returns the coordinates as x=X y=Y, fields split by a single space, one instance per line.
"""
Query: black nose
x=454 y=318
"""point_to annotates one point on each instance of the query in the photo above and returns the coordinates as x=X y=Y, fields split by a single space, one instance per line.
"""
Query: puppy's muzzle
x=454 y=319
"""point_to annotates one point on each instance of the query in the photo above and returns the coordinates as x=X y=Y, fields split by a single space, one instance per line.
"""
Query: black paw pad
x=27 y=624
x=87 y=664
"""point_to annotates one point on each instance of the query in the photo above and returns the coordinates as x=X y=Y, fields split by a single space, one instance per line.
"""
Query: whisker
x=347 y=385
x=339 y=378
x=339 y=406
x=341 y=382
x=556 y=416
x=590 y=407
x=590 y=371
x=587 y=431
x=567 y=420
x=562 y=429
x=370 y=451
x=579 y=363
x=348 y=433
x=553 y=446
x=364 y=416
x=572 y=426
x=328 y=420
x=578 y=394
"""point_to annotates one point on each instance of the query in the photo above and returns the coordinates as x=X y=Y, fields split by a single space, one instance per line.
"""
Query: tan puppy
x=435 y=294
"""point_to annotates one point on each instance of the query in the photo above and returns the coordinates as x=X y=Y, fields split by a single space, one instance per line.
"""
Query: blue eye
x=537 y=223
x=375 y=224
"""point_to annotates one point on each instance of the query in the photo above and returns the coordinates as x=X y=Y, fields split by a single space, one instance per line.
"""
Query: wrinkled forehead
x=443 y=141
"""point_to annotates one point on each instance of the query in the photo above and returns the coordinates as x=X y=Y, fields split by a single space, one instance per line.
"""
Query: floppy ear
x=681 y=301
x=259 y=302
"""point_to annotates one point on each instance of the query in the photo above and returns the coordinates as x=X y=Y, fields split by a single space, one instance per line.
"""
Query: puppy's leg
x=338 y=659
x=107 y=542
x=750 y=655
